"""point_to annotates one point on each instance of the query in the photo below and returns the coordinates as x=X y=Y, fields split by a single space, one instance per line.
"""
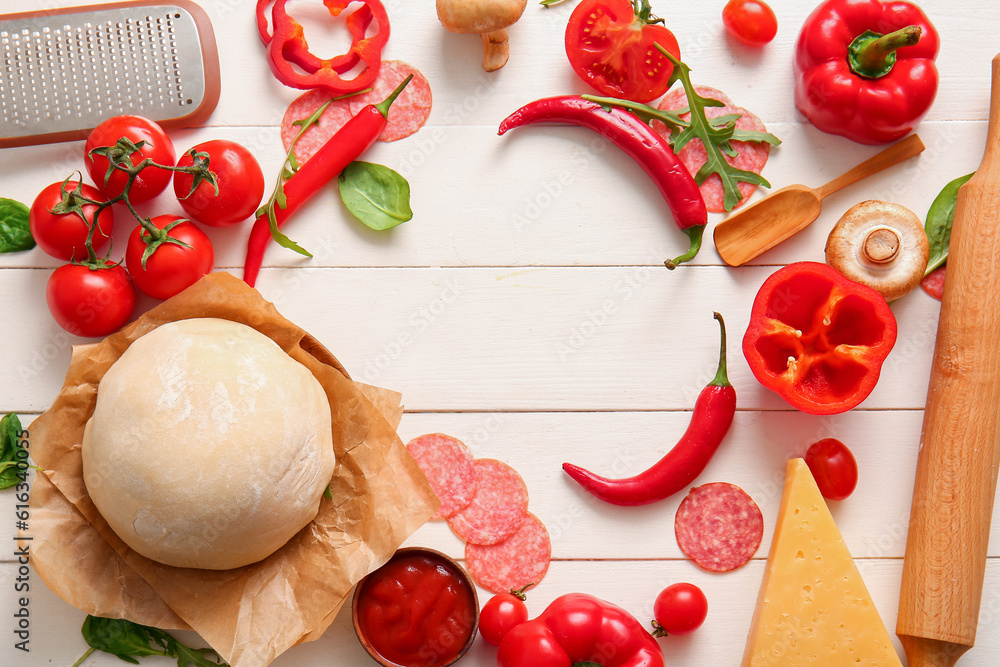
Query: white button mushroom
x=879 y=244
x=488 y=18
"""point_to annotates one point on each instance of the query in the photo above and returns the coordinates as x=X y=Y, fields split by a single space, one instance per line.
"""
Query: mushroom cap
x=479 y=16
x=880 y=244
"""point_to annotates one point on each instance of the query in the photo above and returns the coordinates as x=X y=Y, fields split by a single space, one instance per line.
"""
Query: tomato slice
x=610 y=44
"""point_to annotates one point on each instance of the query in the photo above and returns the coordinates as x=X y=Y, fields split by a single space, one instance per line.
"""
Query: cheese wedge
x=813 y=608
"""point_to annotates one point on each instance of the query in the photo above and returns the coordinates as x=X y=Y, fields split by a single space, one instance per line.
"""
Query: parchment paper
x=252 y=614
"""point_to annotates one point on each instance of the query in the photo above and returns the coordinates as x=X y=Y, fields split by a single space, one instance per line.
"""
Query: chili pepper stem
x=721 y=378
x=872 y=55
x=696 y=233
x=383 y=106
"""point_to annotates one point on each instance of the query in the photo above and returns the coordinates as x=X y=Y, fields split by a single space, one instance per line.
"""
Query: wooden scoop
x=763 y=225
x=956 y=474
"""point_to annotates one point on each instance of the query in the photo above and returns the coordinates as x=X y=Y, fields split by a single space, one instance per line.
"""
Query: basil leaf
x=940 y=217
x=376 y=195
x=120 y=638
x=15 y=234
x=10 y=439
x=129 y=641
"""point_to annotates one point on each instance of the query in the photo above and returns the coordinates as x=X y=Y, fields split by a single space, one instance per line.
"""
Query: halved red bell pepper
x=296 y=66
x=817 y=338
x=580 y=629
x=864 y=69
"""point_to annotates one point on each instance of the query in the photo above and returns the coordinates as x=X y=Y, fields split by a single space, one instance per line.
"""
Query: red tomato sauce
x=416 y=611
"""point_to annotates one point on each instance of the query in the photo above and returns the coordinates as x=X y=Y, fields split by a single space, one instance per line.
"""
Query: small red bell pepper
x=296 y=66
x=580 y=629
x=817 y=338
x=864 y=69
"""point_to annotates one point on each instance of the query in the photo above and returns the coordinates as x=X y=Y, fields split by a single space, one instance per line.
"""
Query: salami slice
x=752 y=156
x=719 y=526
x=498 y=506
x=933 y=283
x=521 y=559
x=448 y=465
x=338 y=113
x=409 y=111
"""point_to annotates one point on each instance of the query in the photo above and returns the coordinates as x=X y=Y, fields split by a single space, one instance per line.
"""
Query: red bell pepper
x=296 y=66
x=864 y=69
x=579 y=629
x=817 y=338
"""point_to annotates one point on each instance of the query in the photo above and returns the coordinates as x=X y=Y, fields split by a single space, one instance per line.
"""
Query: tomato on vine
x=501 y=614
x=610 y=44
x=60 y=219
x=833 y=467
x=750 y=21
x=228 y=191
x=680 y=609
x=90 y=300
x=128 y=140
x=164 y=263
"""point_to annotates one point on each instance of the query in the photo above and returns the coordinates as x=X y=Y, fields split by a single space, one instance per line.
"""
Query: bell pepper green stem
x=872 y=55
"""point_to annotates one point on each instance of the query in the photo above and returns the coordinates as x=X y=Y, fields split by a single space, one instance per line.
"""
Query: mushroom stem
x=882 y=245
x=495 y=49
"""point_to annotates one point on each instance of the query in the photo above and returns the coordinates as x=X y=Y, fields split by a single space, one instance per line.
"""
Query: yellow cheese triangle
x=813 y=608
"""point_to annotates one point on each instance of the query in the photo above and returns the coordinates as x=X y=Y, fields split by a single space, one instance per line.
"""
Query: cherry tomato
x=611 y=48
x=64 y=235
x=240 y=181
x=90 y=302
x=501 y=614
x=750 y=21
x=834 y=468
x=158 y=147
x=680 y=609
x=172 y=267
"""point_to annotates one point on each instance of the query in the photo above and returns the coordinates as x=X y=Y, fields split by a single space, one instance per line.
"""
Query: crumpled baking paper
x=252 y=614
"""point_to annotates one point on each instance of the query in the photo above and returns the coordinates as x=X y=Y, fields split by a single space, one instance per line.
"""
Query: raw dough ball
x=209 y=446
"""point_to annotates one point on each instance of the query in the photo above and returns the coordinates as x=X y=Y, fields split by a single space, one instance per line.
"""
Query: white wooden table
x=525 y=308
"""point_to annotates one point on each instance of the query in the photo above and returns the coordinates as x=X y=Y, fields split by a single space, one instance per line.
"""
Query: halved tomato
x=610 y=44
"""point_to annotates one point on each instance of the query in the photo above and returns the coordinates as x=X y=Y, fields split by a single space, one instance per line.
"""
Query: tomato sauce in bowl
x=418 y=610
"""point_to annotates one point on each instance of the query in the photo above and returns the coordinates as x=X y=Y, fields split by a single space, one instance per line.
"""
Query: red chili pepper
x=865 y=69
x=641 y=143
x=350 y=141
x=579 y=629
x=712 y=417
x=295 y=65
x=817 y=338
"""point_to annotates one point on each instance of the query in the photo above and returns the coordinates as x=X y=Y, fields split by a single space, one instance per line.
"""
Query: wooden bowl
x=434 y=556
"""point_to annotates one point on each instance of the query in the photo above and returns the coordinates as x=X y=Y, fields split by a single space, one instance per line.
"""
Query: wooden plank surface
x=525 y=308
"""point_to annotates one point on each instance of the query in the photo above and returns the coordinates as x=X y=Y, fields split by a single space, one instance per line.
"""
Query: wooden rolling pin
x=960 y=446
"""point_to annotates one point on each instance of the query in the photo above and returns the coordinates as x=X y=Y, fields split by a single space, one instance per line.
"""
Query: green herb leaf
x=15 y=234
x=715 y=138
x=940 y=217
x=10 y=439
x=124 y=639
x=375 y=194
x=129 y=641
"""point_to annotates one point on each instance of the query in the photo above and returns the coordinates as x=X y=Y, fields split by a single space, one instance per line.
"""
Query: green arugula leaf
x=375 y=194
x=15 y=233
x=715 y=138
x=10 y=438
x=940 y=217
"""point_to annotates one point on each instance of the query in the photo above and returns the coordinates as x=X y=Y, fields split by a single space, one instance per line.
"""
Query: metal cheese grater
x=66 y=70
